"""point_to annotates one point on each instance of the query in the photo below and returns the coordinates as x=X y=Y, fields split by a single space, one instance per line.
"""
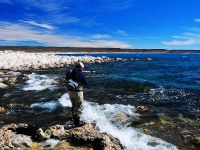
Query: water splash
x=131 y=138
x=38 y=82
x=52 y=105
x=115 y=120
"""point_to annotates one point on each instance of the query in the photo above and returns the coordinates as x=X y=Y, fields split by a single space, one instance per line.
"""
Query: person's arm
x=83 y=79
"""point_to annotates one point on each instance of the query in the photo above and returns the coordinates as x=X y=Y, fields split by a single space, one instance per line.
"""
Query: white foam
x=37 y=82
x=115 y=120
x=64 y=100
x=52 y=105
x=131 y=138
x=48 y=105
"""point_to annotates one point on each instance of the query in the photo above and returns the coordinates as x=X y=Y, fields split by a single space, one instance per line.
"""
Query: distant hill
x=91 y=49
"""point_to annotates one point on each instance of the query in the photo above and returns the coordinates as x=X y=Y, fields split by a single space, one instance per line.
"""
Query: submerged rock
x=15 y=106
x=144 y=109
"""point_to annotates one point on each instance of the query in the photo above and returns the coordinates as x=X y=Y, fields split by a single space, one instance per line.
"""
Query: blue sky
x=169 y=24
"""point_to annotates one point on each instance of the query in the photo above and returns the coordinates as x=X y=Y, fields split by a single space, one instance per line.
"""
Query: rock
x=20 y=136
x=1 y=80
x=195 y=141
x=15 y=106
x=66 y=145
x=50 y=144
x=22 y=141
x=57 y=131
x=40 y=135
x=144 y=109
x=149 y=59
x=27 y=61
x=2 y=110
x=3 y=86
x=49 y=83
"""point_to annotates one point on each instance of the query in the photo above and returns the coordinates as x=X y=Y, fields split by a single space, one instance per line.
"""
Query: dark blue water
x=170 y=82
x=178 y=70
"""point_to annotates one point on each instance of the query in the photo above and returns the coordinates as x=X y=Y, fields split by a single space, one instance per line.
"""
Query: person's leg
x=78 y=108
x=72 y=99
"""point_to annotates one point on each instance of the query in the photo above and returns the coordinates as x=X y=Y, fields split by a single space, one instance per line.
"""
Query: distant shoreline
x=41 y=49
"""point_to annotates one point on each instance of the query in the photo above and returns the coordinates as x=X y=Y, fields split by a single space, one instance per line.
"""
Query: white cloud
x=100 y=36
x=43 y=25
x=190 y=38
x=121 y=32
x=12 y=33
x=6 y=2
x=187 y=38
x=51 y=5
x=197 y=20
x=187 y=42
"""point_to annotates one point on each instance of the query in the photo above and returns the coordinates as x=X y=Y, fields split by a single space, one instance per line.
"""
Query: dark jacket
x=78 y=76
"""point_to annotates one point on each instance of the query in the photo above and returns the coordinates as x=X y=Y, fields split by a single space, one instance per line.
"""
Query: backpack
x=71 y=85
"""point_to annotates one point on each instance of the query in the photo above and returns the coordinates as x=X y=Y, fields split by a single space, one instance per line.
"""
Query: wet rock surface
x=25 y=136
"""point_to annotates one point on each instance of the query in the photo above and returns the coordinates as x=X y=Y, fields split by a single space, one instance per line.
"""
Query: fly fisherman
x=76 y=80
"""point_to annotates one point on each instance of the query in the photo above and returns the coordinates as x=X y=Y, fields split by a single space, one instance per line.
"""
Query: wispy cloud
x=100 y=36
x=51 y=5
x=187 y=42
x=9 y=2
x=197 y=20
x=43 y=25
x=187 y=38
x=13 y=33
x=121 y=32
x=118 y=5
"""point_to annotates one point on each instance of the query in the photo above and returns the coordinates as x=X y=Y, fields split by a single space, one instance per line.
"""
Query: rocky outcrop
x=27 y=61
x=24 y=136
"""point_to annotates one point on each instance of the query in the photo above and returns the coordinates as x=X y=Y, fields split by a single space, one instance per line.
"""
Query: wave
x=115 y=120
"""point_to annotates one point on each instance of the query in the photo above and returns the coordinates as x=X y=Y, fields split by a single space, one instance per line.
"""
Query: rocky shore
x=20 y=60
x=23 y=136
x=13 y=62
x=87 y=137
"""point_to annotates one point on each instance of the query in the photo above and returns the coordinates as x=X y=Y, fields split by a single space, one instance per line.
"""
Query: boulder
x=22 y=141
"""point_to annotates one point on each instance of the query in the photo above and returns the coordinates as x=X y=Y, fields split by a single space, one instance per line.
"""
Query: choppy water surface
x=169 y=85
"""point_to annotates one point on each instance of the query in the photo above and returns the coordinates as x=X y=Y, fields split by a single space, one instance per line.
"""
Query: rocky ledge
x=24 y=136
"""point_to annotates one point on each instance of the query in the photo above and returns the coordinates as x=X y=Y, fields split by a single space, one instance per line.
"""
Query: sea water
x=169 y=84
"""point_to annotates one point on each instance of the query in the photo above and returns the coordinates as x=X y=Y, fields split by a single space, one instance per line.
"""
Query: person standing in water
x=77 y=78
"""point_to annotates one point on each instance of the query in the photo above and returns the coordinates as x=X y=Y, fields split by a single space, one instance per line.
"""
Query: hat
x=80 y=64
